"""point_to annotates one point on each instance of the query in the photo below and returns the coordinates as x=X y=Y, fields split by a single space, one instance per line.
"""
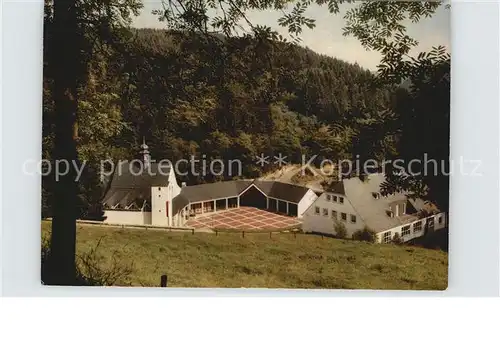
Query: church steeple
x=146 y=158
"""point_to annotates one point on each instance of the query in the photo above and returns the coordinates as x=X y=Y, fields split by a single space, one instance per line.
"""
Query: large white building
x=358 y=203
x=142 y=193
x=147 y=193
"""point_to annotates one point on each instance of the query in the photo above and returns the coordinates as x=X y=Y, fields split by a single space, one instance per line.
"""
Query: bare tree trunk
x=62 y=266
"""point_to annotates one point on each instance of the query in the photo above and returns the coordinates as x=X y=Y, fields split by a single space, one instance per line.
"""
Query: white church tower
x=162 y=193
x=146 y=158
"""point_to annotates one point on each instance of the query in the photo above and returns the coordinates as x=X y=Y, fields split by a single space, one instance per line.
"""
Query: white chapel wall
x=127 y=217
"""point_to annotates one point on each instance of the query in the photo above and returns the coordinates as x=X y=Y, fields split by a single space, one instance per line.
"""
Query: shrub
x=46 y=204
x=91 y=268
x=340 y=230
x=365 y=234
x=397 y=239
x=94 y=212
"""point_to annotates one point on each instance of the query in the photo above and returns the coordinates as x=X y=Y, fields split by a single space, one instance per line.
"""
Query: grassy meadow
x=257 y=261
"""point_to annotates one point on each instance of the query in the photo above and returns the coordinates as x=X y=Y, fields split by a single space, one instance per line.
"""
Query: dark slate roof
x=282 y=191
x=337 y=188
x=125 y=197
x=211 y=191
x=128 y=184
x=233 y=188
x=178 y=203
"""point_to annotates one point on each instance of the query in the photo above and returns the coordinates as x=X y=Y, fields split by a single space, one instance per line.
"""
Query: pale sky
x=326 y=38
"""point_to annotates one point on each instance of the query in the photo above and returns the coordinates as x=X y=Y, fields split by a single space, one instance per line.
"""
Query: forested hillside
x=192 y=94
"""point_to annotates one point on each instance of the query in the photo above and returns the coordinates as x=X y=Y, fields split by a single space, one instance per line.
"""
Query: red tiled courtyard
x=248 y=218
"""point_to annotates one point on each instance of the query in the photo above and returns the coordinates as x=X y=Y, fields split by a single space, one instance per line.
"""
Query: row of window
x=334 y=214
x=417 y=226
x=407 y=229
x=335 y=198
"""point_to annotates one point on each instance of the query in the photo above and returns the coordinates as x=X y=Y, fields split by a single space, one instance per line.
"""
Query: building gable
x=132 y=183
x=379 y=212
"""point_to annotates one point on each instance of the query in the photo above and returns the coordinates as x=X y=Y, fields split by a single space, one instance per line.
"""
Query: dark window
x=387 y=237
x=325 y=212
x=341 y=199
x=273 y=205
x=253 y=197
x=344 y=216
x=334 y=198
x=430 y=223
x=282 y=206
x=353 y=218
x=417 y=227
x=220 y=204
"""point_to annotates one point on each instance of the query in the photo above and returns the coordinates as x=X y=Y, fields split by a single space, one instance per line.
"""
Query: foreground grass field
x=283 y=261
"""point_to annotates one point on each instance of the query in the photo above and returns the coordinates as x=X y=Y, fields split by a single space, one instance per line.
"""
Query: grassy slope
x=228 y=260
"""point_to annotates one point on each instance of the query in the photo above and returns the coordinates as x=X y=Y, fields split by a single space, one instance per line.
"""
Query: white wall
x=305 y=202
x=325 y=224
x=179 y=220
x=437 y=225
x=127 y=217
x=159 y=198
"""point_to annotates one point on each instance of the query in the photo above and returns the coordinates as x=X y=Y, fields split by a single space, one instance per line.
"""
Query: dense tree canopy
x=188 y=104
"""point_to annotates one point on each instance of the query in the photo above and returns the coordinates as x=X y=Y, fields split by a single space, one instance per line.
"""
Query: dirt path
x=293 y=174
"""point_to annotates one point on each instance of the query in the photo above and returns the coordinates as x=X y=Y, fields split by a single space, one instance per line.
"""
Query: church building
x=142 y=193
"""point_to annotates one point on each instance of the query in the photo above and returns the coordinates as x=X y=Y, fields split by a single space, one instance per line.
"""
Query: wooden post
x=192 y=231
x=163 y=281
x=216 y=233
x=270 y=233
x=243 y=234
